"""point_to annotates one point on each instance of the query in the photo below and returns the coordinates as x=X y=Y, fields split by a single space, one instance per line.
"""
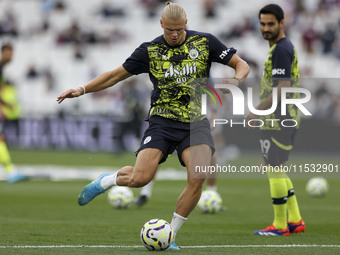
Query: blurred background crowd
x=60 y=44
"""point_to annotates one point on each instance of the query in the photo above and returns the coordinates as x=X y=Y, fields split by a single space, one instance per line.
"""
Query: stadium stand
x=69 y=42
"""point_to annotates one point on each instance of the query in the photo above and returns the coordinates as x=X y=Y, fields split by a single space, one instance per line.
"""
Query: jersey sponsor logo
x=177 y=71
x=193 y=53
x=279 y=71
x=224 y=54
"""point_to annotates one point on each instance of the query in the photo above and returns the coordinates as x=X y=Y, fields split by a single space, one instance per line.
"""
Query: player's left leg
x=200 y=156
x=194 y=157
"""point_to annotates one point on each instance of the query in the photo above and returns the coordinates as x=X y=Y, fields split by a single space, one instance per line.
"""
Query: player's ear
x=161 y=23
x=282 y=23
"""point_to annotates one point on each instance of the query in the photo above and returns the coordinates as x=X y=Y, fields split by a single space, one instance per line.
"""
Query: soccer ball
x=120 y=197
x=156 y=235
x=210 y=202
x=317 y=187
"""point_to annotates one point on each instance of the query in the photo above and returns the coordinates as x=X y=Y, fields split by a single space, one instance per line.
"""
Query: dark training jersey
x=281 y=64
x=8 y=97
x=173 y=70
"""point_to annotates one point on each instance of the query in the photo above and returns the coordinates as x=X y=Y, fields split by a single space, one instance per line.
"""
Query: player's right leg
x=92 y=190
x=278 y=192
x=137 y=176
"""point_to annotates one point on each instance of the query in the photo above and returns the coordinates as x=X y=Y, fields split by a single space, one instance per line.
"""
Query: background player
x=281 y=70
x=6 y=108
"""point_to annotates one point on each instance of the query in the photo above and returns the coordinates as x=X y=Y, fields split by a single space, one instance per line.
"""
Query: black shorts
x=169 y=135
x=276 y=145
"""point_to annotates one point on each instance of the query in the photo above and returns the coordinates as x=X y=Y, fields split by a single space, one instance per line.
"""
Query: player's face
x=7 y=55
x=174 y=30
x=270 y=27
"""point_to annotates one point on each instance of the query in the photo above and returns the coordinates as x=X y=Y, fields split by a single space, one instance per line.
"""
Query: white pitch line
x=65 y=173
x=69 y=246
x=184 y=247
x=266 y=246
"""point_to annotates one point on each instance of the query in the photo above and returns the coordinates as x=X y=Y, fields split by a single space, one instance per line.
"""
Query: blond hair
x=173 y=11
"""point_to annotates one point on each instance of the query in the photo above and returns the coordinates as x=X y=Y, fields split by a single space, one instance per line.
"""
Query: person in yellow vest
x=9 y=110
x=9 y=105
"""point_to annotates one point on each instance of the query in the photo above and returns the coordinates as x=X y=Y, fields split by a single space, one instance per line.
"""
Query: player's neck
x=278 y=38
x=183 y=39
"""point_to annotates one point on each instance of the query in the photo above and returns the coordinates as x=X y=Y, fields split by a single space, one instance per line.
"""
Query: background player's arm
x=267 y=103
x=101 y=82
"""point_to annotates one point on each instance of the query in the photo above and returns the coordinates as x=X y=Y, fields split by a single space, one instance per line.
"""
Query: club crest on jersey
x=193 y=53
x=147 y=139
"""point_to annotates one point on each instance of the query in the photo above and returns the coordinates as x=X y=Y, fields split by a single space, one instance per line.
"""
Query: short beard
x=273 y=36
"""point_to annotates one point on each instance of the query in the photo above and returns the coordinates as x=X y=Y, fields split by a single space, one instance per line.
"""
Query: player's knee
x=138 y=182
x=198 y=176
x=196 y=183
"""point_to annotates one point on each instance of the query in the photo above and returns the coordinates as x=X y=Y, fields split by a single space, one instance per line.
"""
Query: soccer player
x=173 y=61
x=5 y=158
x=280 y=70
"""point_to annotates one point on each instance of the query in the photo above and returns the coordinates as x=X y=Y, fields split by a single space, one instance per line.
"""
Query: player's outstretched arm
x=101 y=82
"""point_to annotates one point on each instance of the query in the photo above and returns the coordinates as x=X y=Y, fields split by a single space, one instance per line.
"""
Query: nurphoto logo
x=239 y=105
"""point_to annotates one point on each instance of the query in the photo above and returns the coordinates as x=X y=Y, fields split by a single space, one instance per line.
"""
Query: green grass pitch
x=43 y=217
